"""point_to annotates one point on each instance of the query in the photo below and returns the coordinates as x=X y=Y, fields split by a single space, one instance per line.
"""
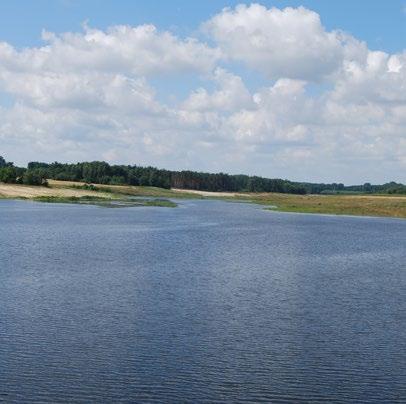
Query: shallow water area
x=210 y=301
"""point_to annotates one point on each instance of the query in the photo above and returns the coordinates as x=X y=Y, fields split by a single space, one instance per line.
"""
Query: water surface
x=210 y=301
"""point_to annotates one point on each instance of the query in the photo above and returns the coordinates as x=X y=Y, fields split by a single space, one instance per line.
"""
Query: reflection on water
x=209 y=301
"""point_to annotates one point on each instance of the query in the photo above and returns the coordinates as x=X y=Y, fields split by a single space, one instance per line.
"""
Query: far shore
x=123 y=195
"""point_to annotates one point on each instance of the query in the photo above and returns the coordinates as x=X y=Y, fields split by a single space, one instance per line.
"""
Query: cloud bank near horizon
x=327 y=108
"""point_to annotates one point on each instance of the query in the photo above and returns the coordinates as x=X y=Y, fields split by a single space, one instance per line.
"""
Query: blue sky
x=316 y=92
x=381 y=23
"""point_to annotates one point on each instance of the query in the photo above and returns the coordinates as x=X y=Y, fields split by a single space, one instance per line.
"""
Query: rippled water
x=211 y=301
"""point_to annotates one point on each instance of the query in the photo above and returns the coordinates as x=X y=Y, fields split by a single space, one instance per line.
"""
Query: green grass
x=106 y=202
x=126 y=190
x=88 y=187
x=358 y=205
x=68 y=199
x=165 y=203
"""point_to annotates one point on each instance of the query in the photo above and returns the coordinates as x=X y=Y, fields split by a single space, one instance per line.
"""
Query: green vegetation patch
x=68 y=199
x=105 y=202
x=161 y=202
x=336 y=205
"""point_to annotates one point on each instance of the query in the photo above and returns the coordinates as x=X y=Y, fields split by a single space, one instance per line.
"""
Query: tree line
x=100 y=172
x=11 y=174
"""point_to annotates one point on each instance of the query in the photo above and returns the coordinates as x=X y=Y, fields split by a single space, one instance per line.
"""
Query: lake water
x=211 y=301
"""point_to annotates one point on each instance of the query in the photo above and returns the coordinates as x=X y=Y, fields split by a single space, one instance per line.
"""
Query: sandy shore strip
x=208 y=193
x=25 y=191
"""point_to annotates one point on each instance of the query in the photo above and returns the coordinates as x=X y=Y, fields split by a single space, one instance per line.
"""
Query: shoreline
x=365 y=205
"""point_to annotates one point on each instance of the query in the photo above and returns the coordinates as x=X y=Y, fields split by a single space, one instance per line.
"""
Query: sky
x=310 y=90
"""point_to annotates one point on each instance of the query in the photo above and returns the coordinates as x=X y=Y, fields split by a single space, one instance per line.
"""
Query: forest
x=100 y=172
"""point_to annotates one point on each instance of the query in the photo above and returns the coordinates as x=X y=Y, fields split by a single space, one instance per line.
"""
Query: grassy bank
x=123 y=190
x=343 y=204
x=359 y=205
x=124 y=195
x=60 y=192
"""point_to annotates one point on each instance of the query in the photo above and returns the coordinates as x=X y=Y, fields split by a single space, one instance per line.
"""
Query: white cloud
x=279 y=115
x=379 y=78
x=280 y=43
x=87 y=91
x=231 y=94
x=141 y=50
x=89 y=95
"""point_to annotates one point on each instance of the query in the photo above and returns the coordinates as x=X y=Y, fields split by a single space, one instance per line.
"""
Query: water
x=211 y=301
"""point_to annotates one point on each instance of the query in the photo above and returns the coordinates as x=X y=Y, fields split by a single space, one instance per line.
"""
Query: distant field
x=362 y=205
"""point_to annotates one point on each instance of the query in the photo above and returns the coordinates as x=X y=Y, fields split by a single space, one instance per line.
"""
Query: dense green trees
x=16 y=175
x=34 y=177
x=9 y=175
x=103 y=173
x=100 y=172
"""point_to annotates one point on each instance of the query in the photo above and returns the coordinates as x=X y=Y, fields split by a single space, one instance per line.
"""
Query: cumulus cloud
x=280 y=43
x=231 y=94
x=141 y=50
x=379 y=77
x=328 y=108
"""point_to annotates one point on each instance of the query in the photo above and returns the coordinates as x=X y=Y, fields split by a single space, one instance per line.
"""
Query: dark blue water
x=211 y=301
